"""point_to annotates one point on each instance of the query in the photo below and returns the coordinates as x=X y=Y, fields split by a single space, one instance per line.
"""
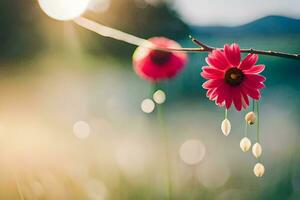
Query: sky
x=233 y=12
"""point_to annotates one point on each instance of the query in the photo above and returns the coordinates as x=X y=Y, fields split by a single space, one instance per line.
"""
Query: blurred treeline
x=22 y=22
x=19 y=35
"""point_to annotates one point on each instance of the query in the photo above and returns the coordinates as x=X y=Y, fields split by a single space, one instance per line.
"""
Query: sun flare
x=64 y=9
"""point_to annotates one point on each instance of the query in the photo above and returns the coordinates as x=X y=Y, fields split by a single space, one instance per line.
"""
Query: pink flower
x=156 y=65
x=231 y=80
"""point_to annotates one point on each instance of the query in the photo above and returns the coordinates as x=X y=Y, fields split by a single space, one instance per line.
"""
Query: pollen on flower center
x=160 y=57
x=234 y=76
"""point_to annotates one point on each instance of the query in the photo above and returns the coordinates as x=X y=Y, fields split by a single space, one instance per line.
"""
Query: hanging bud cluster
x=245 y=144
x=259 y=168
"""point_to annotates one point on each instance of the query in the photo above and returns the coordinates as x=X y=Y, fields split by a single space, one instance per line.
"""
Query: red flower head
x=231 y=80
x=156 y=65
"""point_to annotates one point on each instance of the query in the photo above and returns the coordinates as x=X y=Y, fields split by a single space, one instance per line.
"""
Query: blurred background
x=71 y=126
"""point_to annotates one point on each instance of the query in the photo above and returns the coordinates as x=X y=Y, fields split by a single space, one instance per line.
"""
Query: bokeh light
x=147 y=106
x=214 y=173
x=192 y=151
x=64 y=9
x=159 y=97
x=81 y=129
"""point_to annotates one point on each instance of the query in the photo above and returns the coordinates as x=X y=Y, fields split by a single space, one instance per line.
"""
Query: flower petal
x=209 y=92
x=237 y=98
x=212 y=83
x=253 y=84
x=224 y=96
x=228 y=98
x=244 y=104
x=213 y=72
x=207 y=76
x=221 y=92
x=253 y=93
x=228 y=102
x=233 y=54
x=212 y=95
x=256 y=69
x=217 y=60
x=256 y=77
x=248 y=62
x=245 y=99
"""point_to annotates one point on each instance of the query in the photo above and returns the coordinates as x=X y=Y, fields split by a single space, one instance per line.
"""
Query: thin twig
x=204 y=47
x=131 y=39
x=201 y=44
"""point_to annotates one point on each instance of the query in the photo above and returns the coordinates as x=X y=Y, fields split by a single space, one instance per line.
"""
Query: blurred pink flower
x=156 y=65
x=231 y=80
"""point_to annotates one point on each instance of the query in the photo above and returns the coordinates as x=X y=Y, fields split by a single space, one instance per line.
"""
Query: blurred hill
x=272 y=25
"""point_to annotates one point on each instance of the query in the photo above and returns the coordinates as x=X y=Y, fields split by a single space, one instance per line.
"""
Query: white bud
x=259 y=170
x=226 y=127
x=257 y=150
x=159 y=97
x=245 y=144
x=250 y=118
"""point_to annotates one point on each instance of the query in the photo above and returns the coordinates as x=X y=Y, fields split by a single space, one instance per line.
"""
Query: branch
x=131 y=39
x=204 y=47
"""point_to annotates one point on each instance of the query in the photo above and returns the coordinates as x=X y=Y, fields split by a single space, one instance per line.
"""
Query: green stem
x=161 y=119
x=246 y=129
x=257 y=125
x=226 y=113
x=153 y=88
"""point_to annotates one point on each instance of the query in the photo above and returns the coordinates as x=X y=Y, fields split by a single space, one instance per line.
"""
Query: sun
x=64 y=9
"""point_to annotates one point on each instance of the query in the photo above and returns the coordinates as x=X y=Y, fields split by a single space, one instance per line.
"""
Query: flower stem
x=257 y=125
x=166 y=139
x=246 y=129
x=226 y=113
x=153 y=88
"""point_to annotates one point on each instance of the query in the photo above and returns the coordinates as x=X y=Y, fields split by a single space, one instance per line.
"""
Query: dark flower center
x=234 y=76
x=160 y=57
